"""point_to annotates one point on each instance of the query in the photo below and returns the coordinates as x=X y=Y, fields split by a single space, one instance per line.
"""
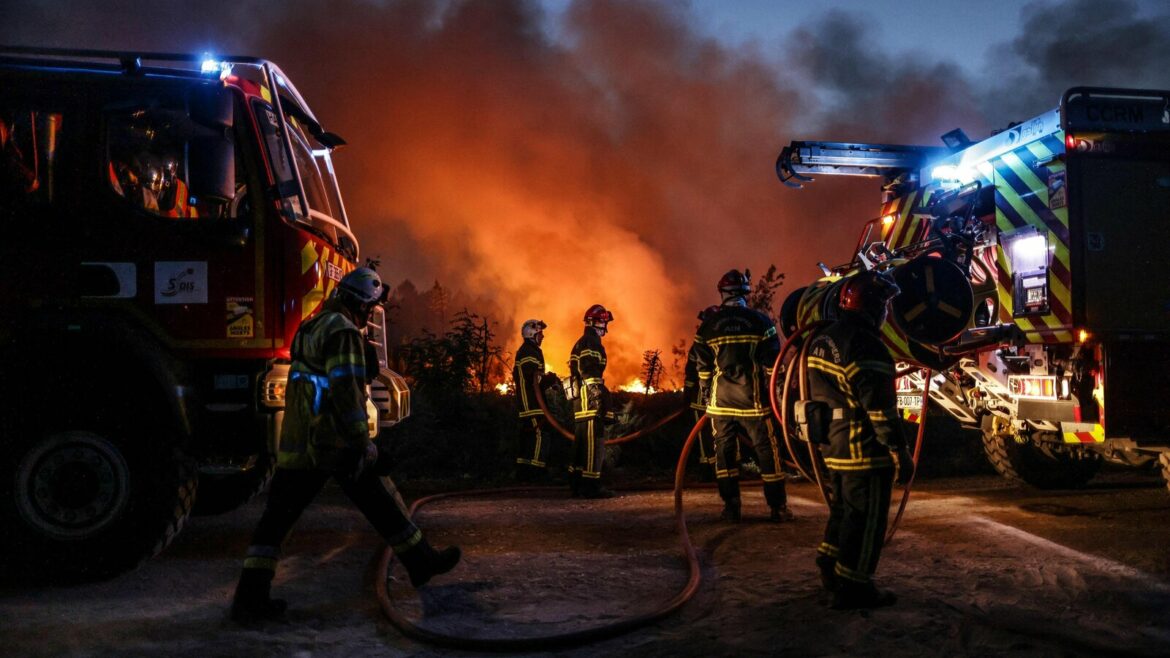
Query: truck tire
x=221 y=492
x=82 y=504
x=1041 y=467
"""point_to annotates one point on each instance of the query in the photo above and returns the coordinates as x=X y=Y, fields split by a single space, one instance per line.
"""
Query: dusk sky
x=544 y=156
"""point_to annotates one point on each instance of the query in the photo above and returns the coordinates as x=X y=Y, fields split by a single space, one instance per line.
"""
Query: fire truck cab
x=169 y=221
x=1058 y=225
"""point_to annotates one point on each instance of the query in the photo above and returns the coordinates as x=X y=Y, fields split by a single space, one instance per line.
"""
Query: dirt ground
x=970 y=582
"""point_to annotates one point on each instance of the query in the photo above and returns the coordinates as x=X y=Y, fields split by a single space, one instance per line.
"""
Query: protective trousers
x=533 y=448
x=292 y=491
x=762 y=433
x=858 y=510
x=706 y=442
x=588 y=453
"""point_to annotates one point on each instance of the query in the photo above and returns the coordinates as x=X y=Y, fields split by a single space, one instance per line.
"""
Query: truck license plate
x=910 y=402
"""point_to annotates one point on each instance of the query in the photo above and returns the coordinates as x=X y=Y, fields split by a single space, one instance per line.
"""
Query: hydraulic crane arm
x=800 y=159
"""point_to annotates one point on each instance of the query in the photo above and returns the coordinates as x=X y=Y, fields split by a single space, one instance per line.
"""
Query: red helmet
x=597 y=315
x=869 y=294
x=735 y=284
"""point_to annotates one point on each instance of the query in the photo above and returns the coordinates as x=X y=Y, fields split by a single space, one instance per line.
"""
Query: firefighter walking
x=852 y=371
x=325 y=435
x=591 y=410
x=531 y=462
x=733 y=353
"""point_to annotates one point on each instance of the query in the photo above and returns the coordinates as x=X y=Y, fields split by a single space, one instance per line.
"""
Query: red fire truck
x=1033 y=293
x=169 y=222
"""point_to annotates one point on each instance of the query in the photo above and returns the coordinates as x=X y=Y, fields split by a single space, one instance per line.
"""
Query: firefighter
x=591 y=410
x=698 y=406
x=325 y=436
x=851 y=370
x=733 y=353
x=531 y=462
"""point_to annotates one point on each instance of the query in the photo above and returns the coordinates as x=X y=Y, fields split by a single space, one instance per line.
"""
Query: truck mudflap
x=1082 y=433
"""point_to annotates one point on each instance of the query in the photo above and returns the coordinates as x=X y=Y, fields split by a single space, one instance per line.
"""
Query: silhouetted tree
x=651 y=369
x=763 y=294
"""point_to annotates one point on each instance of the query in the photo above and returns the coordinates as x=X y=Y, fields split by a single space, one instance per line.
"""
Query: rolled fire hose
x=548 y=642
x=609 y=442
x=780 y=411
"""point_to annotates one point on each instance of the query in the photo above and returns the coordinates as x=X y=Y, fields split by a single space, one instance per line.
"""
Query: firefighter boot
x=828 y=566
x=851 y=595
x=423 y=562
x=732 y=510
x=780 y=514
x=574 y=484
x=591 y=488
x=732 y=506
x=252 y=603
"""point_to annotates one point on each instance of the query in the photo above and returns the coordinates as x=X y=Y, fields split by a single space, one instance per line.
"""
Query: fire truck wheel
x=1043 y=468
x=83 y=505
x=221 y=492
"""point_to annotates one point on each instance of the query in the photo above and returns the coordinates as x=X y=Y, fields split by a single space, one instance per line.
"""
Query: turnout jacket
x=851 y=370
x=733 y=355
x=586 y=375
x=529 y=363
x=325 y=422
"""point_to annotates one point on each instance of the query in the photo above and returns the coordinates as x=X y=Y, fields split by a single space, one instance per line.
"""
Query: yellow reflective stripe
x=531 y=413
x=409 y=543
x=706 y=374
x=735 y=340
x=828 y=549
x=758 y=412
x=592 y=380
x=817 y=363
x=528 y=359
x=263 y=563
x=858 y=464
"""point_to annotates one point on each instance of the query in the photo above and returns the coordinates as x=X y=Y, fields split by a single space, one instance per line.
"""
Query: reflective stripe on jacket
x=587 y=371
x=529 y=363
x=733 y=355
x=850 y=368
x=325 y=400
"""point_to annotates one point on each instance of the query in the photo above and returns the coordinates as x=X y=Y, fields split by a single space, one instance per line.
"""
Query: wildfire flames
x=628 y=160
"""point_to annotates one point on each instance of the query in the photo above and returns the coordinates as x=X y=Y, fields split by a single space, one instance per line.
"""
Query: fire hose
x=558 y=640
x=780 y=410
x=609 y=442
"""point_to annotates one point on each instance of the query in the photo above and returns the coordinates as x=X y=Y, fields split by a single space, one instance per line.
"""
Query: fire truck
x=1034 y=306
x=170 y=220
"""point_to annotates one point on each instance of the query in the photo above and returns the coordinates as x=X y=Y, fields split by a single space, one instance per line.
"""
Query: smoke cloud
x=628 y=161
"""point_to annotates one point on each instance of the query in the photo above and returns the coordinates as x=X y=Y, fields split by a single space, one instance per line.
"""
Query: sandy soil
x=970 y=583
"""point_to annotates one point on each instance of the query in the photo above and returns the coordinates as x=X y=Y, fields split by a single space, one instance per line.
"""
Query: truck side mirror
x=211 y=167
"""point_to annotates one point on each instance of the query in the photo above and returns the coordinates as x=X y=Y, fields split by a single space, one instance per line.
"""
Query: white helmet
x=531 y=329
x=362 y=285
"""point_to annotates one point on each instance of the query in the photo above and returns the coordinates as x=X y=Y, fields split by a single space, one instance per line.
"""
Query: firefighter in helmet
x=733 y=354
x=694 y=400
x=325 y=436
x=851 y=370
x=529 y=364
x=591 y=410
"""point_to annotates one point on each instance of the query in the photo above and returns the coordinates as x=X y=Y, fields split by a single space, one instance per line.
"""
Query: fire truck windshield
x=325 y=214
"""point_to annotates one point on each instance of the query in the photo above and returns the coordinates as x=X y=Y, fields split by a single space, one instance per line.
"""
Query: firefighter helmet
x=868 y=294
x=363 y=285
x=597 y=317
x=735 y=284
x=533 y=329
